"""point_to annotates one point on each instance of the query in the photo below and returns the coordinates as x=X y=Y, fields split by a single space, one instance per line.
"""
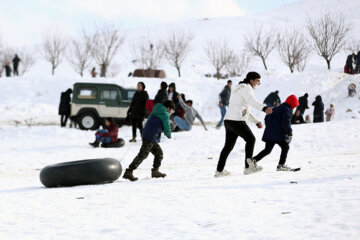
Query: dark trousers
x=137 y=123
x=63 y=120
x=235 y=129
x=16 y=72
x=269 y=147
x=146 y=148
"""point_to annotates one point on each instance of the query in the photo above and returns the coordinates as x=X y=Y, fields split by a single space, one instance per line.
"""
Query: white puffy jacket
x=242 y=97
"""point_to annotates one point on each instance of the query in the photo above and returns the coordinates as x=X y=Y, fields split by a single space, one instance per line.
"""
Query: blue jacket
x=278 y=124
x=156 y=123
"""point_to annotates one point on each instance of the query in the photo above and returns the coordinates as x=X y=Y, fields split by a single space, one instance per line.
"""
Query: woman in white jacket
x=242 y=98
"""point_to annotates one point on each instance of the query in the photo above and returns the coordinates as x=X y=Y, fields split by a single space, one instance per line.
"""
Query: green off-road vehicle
x=93 y=102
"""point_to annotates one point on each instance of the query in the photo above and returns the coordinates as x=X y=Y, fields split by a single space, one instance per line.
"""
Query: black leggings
x=234 y=129
x=137 y=123
x=269 y=147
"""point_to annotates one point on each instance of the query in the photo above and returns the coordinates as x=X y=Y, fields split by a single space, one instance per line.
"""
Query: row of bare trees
x=328 y=34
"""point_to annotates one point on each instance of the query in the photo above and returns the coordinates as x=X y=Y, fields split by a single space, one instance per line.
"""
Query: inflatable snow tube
x=118 y=144
x=89 y=171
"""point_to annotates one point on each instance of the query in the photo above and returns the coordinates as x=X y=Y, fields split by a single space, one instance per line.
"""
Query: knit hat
x=292 y=101
x=163 y=85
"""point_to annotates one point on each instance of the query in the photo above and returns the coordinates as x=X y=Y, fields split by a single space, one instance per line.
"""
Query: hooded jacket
x=278 y=124
x=158 y=121
x=242 y=98
x=113 y=131
x=318 y=109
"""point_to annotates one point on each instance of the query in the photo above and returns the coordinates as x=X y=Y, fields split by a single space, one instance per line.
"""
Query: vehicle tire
x=118 y=144
x=88 y=121
x=90 y=171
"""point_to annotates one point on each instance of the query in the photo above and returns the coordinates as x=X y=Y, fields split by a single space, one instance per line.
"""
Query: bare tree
x=27 y=60
x=54 y=46
x=177 y=48
x=353 y=46
x=148 y=54
x=328 y=33
x=6 y=55
x=80 y=55
x=218 y=54
x=260 y=43
x=238 y=64
x=104 y=42
x=293 y=49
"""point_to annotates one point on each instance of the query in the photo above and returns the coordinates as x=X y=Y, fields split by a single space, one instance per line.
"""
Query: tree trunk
x=218 y=74
x=178 y=69
x=53 y=70
x=328 y=63
x=103 y=70
x=263 y=60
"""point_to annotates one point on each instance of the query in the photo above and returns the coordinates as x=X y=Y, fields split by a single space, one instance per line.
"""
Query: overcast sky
x=22 y=21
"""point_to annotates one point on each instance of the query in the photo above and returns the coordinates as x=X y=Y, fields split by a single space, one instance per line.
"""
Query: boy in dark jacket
x=158 y=121
x=278 y=131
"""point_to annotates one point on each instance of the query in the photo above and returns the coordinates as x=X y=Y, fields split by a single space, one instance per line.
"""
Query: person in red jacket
x=107 y=135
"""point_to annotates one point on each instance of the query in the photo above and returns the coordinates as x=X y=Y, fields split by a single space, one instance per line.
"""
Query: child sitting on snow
x=278 y=131
x=330 y=112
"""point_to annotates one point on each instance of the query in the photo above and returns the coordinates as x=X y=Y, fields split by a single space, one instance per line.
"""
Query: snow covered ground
x=323 y=203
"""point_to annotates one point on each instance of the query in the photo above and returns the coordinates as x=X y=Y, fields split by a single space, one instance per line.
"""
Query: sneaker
x=252 y=163
x=283 y=168
x=222 y=174
x=132 y=140
x=251 y=170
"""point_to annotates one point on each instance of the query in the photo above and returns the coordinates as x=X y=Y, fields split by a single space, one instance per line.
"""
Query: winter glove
x=288 y=138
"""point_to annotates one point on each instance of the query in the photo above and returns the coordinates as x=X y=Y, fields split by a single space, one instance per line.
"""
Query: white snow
x=322 y=201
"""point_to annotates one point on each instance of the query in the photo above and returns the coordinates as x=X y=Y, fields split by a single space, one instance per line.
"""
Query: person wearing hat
x=273 y=99
x=242 y=98
x=161 y=95
x=278 y=131
x=137 y=109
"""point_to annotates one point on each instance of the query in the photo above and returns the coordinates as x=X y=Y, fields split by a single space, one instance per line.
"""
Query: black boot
x=129 y=175
x=156 y=174
x=95 y=144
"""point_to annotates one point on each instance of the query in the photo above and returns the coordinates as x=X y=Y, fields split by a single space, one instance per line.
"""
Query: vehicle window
x=130 y=95
x=87 y=93
x=109 y=94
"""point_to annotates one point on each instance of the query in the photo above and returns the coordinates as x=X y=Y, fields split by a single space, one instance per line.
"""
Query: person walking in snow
x=278 y=131
x=318 y=110
x=158 y=121
x=107 y=135
x=16 y=61
x=330 y=112
x=161 y=95
x=137 y=109
x=273 y=99
x=303 y=104
x=190 y=115
x=357 y=63
x=242 y=98
x=65 y=107
x=224 y=98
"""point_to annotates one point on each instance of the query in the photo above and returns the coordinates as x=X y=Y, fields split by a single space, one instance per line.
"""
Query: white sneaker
x=250 y=170
x=283 y=168
x=222 y=174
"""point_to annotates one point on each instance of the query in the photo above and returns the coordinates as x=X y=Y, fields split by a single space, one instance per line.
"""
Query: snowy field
x=323 y=202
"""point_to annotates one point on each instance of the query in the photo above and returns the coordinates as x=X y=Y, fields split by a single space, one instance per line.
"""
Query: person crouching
x=107 y=135
x=158 y=121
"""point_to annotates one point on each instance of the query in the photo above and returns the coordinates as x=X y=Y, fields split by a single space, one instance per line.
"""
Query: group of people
x=15 y=62
x=182 y=119
x=352 y=65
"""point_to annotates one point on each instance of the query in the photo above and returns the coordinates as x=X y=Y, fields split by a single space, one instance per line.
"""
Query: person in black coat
x=161 y=95
x=16 y=61
x=173 y=96
x=349 y=64
x=273 y=99
x=224 y=99
x=137 y=109
x=357 y=67
x=7 y=70
x=65 y=107
x=278 y=131
x=303 y=104
x=318 y=109
x=297 y=118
